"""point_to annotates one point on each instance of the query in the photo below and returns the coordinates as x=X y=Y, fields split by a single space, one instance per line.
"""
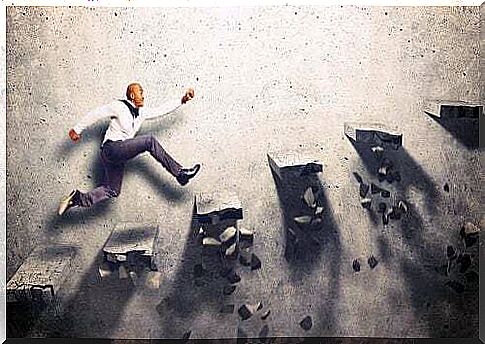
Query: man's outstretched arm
x=168 y=107
x=90 y=118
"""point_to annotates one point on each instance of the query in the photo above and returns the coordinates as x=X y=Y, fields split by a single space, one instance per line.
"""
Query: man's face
x=137 y=95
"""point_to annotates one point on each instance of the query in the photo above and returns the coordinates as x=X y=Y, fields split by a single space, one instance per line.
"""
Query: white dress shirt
x=123 y=125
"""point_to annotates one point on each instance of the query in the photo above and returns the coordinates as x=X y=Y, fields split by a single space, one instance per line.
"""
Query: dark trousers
x=114 y=155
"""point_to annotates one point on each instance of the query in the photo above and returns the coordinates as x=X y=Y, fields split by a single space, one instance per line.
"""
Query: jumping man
x=120 y=145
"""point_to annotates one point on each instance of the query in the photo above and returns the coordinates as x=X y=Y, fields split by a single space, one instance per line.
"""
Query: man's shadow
x=422 y=252
x=308 y=246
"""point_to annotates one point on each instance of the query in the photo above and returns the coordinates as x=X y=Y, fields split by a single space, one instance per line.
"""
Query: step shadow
x=465 y=130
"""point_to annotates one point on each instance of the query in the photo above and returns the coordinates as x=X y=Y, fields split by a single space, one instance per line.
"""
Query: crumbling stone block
x=374 y=134
x=447 y=109
x=42 y=274
x=293 y=162
x=217 y=207
x=132 y=240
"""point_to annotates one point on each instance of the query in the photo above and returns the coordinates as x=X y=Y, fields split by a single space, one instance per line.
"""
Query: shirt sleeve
x=165 y=108
x=94 y=116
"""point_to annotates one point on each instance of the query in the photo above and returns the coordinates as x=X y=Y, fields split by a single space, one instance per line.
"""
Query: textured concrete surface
x=266 y=79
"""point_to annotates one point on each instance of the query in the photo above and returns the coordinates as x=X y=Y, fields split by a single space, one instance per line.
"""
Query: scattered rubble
x=372 y=262
x=306 y=323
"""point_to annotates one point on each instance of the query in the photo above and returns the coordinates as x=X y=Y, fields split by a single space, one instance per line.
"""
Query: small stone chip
x=265 y=314
x=255 y=262
x=228 y=234
x=318 y=210
x=229 y=289
x=366 y=203
x=306 y=323
x=211 y=242
x=231 y=251
x=305 y=219
x=356 y=265
x=309 y=198
x=245 y=312
x=372 y=262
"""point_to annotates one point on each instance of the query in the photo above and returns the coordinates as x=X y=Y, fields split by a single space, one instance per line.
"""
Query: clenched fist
x=75 y=137
x=189 y=94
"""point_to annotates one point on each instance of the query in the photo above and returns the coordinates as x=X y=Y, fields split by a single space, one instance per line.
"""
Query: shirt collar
x=132 y=104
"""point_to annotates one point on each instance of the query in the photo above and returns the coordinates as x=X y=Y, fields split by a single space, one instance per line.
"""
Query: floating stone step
x=42 y=274
x=293 y=162
x=447 y=109
x=214 y=208
x=132 y=242
x=373 y=133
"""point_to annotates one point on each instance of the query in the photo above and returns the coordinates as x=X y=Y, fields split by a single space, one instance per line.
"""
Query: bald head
x=134 y=92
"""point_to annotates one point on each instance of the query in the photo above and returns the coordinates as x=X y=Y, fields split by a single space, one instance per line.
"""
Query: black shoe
x=187 y=173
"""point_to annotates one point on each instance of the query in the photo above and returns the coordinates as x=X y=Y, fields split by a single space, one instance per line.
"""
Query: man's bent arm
x=92 y=117
x=165 y=108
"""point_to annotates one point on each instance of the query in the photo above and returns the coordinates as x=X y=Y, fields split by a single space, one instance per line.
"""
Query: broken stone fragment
x=255 y=262
x=469 y=229
x=318 y=210
x=246 y=234
x=210 y=242
x=378 y=151
x=265 y=314
x=372 y=262
x=366 y=203
x=245 y=312
x=403 y=206
x=227 y=309
x=229 y=289
x=306 y=323
x=364 y=189
x=383 y=170
x=309 y=198
x=305 y=219
x=456 y=286
x=228 y=234
x=233 y=277
x=356 y=265
x=231 y=251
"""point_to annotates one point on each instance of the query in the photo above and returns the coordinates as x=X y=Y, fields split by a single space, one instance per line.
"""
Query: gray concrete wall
x=276 y=78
